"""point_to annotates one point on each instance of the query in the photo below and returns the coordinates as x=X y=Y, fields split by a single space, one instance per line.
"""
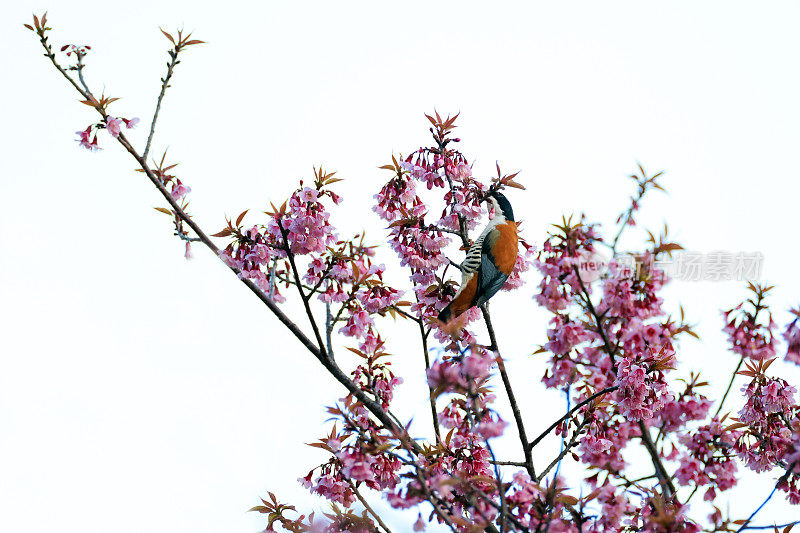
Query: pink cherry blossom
x=113 y=125
x=84 y=139
x=179 y=190
x=792 y=338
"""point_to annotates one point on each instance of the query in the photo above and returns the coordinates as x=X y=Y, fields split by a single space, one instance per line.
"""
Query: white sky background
x=142 y=392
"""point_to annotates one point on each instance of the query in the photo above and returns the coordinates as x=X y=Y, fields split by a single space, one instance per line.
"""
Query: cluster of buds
x=79 y=50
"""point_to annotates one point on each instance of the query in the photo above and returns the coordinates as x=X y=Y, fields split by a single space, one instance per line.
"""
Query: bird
x=489 y=260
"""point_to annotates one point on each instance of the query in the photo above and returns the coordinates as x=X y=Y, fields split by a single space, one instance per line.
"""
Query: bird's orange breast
x=505 y=247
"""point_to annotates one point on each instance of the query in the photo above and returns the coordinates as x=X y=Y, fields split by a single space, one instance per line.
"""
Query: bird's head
x=500 y=204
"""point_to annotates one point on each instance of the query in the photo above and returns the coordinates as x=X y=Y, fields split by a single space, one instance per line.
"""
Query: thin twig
x=367 y=506
x=508 y=463
x=571 y=412
x=758 y=308
x=164 y=84
x=564 y=452
x=783 y=478
x=567 y=393
x=730 y=384
x=407 y=315
x=299 y=284
x=80 y=75
x=597 y=318
x=773 y=526
x=272 y=273
x=457 y=265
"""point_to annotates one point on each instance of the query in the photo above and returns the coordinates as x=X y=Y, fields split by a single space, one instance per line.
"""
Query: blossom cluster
x=459 y=466
x=770 y=403
x=708 y=458
x=113 y=125
x=792 y=338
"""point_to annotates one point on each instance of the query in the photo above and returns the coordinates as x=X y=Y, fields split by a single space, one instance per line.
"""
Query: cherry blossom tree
x=612 y=348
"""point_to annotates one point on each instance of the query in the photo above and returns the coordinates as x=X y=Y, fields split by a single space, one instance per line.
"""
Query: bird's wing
x=490 y=278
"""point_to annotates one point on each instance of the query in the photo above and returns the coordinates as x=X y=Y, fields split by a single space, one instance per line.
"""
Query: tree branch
x=432 y=400
x=663 y=477
x=573 y=441
x=299 y=284
x=526 y=450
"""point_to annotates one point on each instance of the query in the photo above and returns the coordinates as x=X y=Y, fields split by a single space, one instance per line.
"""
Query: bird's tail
x=456 y=308
x=446 y=314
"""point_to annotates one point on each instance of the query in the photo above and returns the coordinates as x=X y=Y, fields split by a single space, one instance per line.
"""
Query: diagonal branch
x=382 y=415
x=299 y=285
x=661 y=472
x=573 y=441
x=569 y=414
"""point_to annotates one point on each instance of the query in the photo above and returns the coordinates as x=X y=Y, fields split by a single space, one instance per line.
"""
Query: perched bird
x=489 y=260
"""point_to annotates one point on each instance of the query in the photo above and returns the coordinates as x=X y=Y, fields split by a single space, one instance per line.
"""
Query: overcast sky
x=141 y=392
